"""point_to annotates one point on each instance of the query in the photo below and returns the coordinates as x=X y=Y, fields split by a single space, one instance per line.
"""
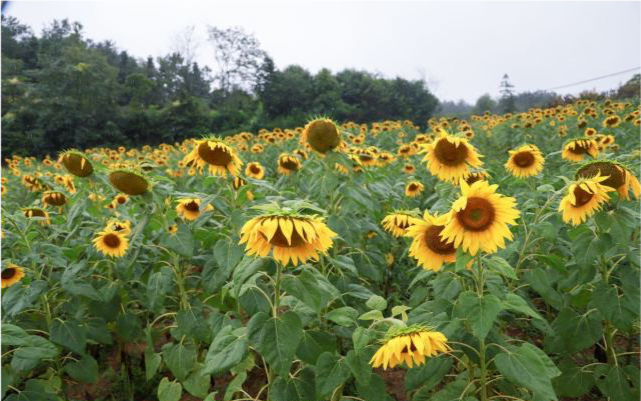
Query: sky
x=461 y=49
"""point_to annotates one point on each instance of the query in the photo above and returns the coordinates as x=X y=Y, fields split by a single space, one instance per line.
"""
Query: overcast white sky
x=461 y=48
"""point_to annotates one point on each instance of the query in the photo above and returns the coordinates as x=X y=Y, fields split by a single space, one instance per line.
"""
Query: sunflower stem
x=608 y=329
x=483 y=372
x=279 y=269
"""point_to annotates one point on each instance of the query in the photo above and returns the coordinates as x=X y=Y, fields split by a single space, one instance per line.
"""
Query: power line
x=594 y=79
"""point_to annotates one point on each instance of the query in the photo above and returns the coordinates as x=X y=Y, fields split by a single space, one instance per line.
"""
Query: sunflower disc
x=128 y=182
x=74 y=164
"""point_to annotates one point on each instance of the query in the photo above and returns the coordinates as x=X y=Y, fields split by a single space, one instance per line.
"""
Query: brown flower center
x=616 y=175
x=35 y=213
x=449 y=154
x=523 y=159
x=413 y=187
x=582 y=196
x=8 y=273
x=578 y=149
x=279 y=239
x=478 y=215
x=111 y=240
x=217 y=156
x=121 y=199
x=254 y=169
x=192 y=206
x=289 y=164
x=436 y=244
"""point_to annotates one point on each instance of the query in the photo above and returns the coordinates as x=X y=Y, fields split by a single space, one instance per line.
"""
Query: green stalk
x=279 y=269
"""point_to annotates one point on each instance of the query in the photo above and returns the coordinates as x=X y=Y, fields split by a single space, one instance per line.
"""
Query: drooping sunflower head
x=617 y=176
x=111 y=243
x=410 y=346
x=449 y=157
x=76 y=162
x=585 y=196
x=11 y=274
x=39 y=213
x=255 y=170
x=525 y=161
x=290 y=235
x=479 y=218
x=428 y=248
x=414 y=189
x=322 y=135
x=399 y=221
x=54 y=198
x=288 y=164
x=129 y=181
x=576 y=149
x=220 y=157
x=190 y=208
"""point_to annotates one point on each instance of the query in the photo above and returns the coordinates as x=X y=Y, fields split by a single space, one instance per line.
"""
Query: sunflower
x=172 y=229
x=37 y=212
x=479 y=218
x=301 y=153
x=220 y=157
x=611 y=122
x=189 y=208
x=292 y=236
x=428 y=248
x=414 y=189
x=448 y=157
x=585 y=196
x=129 y=181
x=618 y=177
x=399 y=221
x=11 y=275
x=120 y=226
x=111 y=243
x=409 y=169
x=590 y=132
x=67 y=181
x=255 y=170
x=525 y=161
x=322 y=135
x=120 y=199
x=576 y=149
x=476 y=176
x=54 y=198
x=409 y=345
x=76 y=163
x=288 y=164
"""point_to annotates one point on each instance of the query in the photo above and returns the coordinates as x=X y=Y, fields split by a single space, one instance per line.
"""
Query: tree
x=630 y=89
x=484 y=103
x=507 y=102
x=238 y=56
x=186 y=43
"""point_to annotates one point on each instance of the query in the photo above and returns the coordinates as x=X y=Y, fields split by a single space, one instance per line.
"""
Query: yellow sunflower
x=288 y=164
x=292 y=237
x=410 y=346
x=409 y=169
x=189 y=208
x=525 y=161
x=576 y=149
x=449 y=156
x=399 y=221
x=322 y=135
x=476 y=176
x=428 y=248
x=414 y=189
x=479 y=218
x=612 y=122
x=120 y=199
x=11 y=275
x=219 y=156
x=172 y=229
x=585 y=196
x=111 y=243
x=617 y=177
x=255 y=170
x=120 y=226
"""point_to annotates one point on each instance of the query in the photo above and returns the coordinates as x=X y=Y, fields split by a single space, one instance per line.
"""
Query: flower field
x=489 y=259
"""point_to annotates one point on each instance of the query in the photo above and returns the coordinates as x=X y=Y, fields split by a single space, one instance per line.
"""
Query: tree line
x=62 y=90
